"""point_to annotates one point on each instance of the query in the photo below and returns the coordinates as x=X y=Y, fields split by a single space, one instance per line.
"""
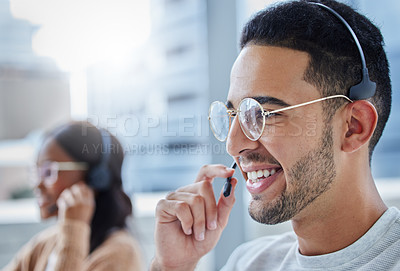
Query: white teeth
x=255 y=175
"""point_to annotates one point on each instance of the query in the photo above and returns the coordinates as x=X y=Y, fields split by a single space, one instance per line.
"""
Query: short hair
x=335 y=63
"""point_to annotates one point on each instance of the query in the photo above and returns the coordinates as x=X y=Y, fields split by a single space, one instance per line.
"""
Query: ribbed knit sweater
x=68 y=243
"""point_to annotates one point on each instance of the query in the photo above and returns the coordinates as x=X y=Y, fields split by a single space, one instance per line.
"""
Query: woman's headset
x=99 y=177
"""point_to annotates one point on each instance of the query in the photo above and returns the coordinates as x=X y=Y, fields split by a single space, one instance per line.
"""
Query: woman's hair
x=84 y=143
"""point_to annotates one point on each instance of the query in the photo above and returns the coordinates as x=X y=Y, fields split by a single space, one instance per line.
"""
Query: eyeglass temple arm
x=307 y=103
x=73 y=166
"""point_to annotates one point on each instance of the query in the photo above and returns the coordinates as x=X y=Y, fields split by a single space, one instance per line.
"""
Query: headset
x=366 y=88
x=99 y=177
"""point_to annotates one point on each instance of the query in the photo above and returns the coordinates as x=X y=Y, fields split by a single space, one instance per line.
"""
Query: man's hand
x=76 y=203
x=189 y=222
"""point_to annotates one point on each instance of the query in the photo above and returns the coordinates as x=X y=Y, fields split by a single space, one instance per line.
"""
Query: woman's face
x=47 y=192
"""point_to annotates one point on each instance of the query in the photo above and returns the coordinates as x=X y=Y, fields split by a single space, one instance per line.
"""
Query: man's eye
x=272 y=118
x=46 y=172
x=274 y=114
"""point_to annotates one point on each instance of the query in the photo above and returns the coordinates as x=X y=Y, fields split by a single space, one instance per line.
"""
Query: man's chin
x=270 y=213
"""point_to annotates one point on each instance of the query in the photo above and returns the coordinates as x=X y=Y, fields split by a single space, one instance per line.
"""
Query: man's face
x=292 y=163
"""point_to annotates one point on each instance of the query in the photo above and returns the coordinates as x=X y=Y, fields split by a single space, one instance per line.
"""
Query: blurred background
x=147 y=71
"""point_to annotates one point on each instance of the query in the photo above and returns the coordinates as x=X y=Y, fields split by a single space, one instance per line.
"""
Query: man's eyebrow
x=270 y=100
x=263 y=100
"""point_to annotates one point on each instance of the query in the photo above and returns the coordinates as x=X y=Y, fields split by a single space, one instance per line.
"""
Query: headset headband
x=366 y=88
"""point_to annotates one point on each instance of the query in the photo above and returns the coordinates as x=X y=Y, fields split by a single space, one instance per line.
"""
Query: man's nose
x=237 y=141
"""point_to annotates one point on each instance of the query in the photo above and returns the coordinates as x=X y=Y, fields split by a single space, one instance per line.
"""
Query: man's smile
x=260 y=177
x=256 y=175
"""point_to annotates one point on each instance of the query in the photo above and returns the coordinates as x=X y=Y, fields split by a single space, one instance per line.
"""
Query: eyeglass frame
x=233 y=112
x=56 y=166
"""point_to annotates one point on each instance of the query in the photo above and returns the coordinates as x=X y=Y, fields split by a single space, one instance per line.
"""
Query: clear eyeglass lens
x=219 y=120
x=251 y=118
x=47 y=172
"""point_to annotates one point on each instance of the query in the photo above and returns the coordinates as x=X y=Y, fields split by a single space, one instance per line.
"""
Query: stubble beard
x=310 y=177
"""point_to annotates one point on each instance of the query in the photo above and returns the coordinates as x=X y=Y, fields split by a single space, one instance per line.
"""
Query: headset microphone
x=366 y=88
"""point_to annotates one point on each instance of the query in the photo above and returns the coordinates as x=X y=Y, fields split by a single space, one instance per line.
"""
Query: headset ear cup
x=99 y=178
x=363 y=90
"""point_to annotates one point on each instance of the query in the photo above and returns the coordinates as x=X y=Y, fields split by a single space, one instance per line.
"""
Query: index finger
x=209 y=172
x=82 y=190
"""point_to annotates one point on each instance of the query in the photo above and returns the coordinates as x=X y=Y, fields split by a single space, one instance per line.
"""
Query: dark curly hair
x=335 y=63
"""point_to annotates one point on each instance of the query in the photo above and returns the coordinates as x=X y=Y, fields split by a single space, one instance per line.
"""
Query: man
x=298 y=62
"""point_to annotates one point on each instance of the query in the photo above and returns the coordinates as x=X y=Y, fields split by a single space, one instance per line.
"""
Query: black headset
x=99 y=177
x=366 y=88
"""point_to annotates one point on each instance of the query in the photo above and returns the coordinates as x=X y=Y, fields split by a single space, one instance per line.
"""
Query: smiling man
x=299 y=61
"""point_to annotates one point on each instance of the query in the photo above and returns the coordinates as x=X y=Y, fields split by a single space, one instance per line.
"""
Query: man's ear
x=361 y=119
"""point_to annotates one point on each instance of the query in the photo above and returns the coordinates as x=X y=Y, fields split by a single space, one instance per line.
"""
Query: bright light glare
x=78 y=94
x=79 y=33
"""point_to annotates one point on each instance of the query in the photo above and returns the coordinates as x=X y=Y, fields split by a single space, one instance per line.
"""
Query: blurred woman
x=79 y=170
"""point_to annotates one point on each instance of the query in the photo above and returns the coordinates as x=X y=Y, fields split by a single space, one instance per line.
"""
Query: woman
x=79 y=170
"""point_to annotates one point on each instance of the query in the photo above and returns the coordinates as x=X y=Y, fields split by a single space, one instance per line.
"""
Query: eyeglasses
x=251 y=115
x=48 y=171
